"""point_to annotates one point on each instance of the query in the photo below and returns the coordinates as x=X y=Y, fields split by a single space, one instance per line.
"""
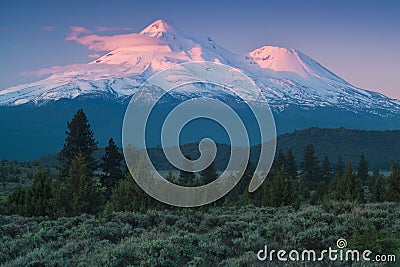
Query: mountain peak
x=159 y=27
x=285 y=76
x=278 y=59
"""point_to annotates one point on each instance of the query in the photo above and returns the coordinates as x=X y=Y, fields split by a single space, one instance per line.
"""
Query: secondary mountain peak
x=290 y=61
x=287 y=77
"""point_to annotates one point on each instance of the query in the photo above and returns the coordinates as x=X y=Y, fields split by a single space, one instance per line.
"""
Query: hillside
x=379 y=147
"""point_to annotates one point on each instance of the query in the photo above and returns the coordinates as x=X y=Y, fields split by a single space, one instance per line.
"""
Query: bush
x=180 y=237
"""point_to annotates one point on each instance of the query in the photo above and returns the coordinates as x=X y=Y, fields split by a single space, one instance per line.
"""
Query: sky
x=357 y=40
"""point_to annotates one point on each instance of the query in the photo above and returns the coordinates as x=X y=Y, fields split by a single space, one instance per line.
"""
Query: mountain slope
x=300 y=91
x=286 y=76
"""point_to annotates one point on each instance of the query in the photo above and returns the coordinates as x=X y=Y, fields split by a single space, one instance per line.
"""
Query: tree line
x=86 y=186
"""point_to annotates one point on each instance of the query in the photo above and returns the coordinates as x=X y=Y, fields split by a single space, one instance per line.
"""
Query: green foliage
x=14 y=173
x=383 y=240
x=281 y=191
x=393 y=184
x=278 y=162
x=209 y=174
x=310 y=167
x=326 y=170
x=35 y=200
x=362 y=173
x=377 y=189
x=321 y=193
x=134 y=229
x=79 y=140
x=15 y=203
x=290 y=164
x=221 y=236
x=187 y=178
x=349 y=187
x=240 y=194
x=379 y=147
x=111 y=166
x=81 y=189
x=128 y=196
x=339 y=168
x=39 y=196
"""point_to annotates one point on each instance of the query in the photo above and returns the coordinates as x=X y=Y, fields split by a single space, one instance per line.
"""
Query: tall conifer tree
x=309 y=166
x=291 y=168
x=186 y=178
x=111 y=166
x=79 y=140
x=81 y=188
x=392 y=192
x=362 y=173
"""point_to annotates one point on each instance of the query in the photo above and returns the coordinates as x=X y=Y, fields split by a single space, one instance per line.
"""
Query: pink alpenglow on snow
x=285 y=76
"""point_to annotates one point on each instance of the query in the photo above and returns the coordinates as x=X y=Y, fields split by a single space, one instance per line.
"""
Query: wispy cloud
x=94 y=55
x=51 y=70
x=48 y=28
x=3 y=29
x=97 y=42
x=73 y=69
x=107 y=29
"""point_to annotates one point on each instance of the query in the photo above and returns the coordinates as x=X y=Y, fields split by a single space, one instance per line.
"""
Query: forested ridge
x=380 y=147
x=88 y=204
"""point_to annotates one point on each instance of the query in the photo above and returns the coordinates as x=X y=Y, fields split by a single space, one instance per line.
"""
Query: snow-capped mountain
x=287 y=77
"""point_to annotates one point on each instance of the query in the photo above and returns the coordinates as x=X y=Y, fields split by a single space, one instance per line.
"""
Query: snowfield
x=285 y=76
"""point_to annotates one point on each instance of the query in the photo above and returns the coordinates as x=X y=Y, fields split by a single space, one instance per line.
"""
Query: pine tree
x=39 y=197
x=239 y=194
x=281 y=190
x=321 y=193
x=3 y=176
x=339 y=168
x=15 y=203
x=326 y=169
x=60 y=199
x=334 y=185
x=241 y=190
x=378 y=190
x=362 y=173
x=350 y=187
x=310 y=169
x=209 y=174
x=371 y=182
x=291 y=168
x=128 y=196
x=79 y=140
x=170 y=177
x=278 y=162
x=186 y=178
x=81 y=188
x=112 y=167
x=392 y=192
